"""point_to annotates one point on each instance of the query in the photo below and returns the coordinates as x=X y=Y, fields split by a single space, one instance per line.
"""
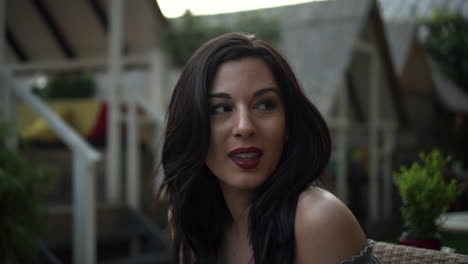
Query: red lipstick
x=246 y=158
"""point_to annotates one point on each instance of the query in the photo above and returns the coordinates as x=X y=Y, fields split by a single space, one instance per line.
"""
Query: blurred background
x=85 y=85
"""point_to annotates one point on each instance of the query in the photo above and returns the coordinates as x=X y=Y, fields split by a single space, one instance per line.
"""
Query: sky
x=176 y=8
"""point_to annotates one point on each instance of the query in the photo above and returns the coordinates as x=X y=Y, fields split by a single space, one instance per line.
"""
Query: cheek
x=211 y=160
x=215 y=146
x=211 y=152
x=274 y=139
x=278 y=132
x=280 y=137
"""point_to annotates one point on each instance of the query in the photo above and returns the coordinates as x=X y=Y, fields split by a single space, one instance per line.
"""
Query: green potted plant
x=68 y=85
x=22 y=217
x=425 y=196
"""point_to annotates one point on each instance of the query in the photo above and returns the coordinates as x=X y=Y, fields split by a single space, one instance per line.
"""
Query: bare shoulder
x=326 y=231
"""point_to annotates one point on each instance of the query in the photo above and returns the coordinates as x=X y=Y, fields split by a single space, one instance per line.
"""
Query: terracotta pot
x=429 y=243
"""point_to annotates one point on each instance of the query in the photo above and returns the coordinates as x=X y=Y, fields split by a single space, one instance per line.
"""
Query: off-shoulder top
x=365 y=256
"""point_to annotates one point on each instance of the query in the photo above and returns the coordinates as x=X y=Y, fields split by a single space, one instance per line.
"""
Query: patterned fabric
x=365 y=257
x=396 y=254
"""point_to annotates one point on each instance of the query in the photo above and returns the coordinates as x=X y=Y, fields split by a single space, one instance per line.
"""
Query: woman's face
x=247 y=120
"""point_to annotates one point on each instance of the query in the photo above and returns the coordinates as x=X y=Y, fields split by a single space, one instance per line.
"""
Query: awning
x=42 y=33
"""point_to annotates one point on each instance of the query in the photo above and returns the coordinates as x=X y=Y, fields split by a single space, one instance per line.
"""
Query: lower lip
x=246 y=163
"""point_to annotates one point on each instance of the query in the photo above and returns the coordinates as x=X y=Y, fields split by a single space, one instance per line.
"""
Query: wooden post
x=342 y=143
x=389 y=145
x=84 y=210
x=159 y=97
x=114 y=148
x=374 y=114
x=132 y=155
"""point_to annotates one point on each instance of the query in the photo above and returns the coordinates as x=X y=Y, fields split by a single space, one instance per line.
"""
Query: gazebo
x=341 y=54
x=428 y=92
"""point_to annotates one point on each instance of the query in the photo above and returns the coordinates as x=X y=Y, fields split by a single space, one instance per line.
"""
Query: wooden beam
x=16 y=46
x=97 y=63
x=100 y=14
x=103 y=19
x=55 y=30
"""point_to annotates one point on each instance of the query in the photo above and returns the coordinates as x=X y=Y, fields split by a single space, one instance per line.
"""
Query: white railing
x=84 y=166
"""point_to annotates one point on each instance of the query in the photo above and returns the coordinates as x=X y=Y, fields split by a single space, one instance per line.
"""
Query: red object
x=246 y=163
x=98 y=132
x=433 y=243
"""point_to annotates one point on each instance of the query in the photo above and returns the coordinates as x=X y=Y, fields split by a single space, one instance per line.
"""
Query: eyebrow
x=266 y=90
x=219 y=95
x=257 y=93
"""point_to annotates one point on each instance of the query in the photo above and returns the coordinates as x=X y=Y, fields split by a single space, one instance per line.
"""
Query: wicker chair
x=391 y=253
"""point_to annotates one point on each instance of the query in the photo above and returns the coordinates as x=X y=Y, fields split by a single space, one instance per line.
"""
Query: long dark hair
x=199 y=212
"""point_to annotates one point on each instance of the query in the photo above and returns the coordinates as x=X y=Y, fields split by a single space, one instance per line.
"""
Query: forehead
x=245 y=74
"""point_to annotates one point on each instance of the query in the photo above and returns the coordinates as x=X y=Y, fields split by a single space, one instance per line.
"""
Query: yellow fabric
x=39 y=129
x=80 y=114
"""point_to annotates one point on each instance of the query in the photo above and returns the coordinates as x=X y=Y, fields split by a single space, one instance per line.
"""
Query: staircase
x=123 y=234
x=83 y=227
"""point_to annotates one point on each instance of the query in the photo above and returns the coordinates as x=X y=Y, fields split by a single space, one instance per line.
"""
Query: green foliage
x=182 y=40
x=447 y=42
x=424 y=193
x=68 y=85
x=22 y=218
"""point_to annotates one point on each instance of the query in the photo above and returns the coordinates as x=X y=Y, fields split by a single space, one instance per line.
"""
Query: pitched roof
x=400 y=36
x=327 y=31
x=401 y=32
x=450 y=95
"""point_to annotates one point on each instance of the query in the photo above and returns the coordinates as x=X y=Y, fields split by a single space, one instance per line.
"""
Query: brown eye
x=266 y=105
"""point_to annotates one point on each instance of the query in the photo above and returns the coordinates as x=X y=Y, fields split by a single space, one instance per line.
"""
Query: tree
x=447 y=43
x=182 y=39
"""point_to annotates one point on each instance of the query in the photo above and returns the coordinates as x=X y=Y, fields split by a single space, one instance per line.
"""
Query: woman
x=243 y=149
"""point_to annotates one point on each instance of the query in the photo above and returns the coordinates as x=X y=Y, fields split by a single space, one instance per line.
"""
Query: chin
x=249 y=184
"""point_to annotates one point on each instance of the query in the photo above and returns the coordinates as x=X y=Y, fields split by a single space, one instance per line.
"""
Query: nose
x=243 y=125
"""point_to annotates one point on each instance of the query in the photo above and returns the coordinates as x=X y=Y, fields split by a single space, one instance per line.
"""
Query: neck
x=238 y=203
